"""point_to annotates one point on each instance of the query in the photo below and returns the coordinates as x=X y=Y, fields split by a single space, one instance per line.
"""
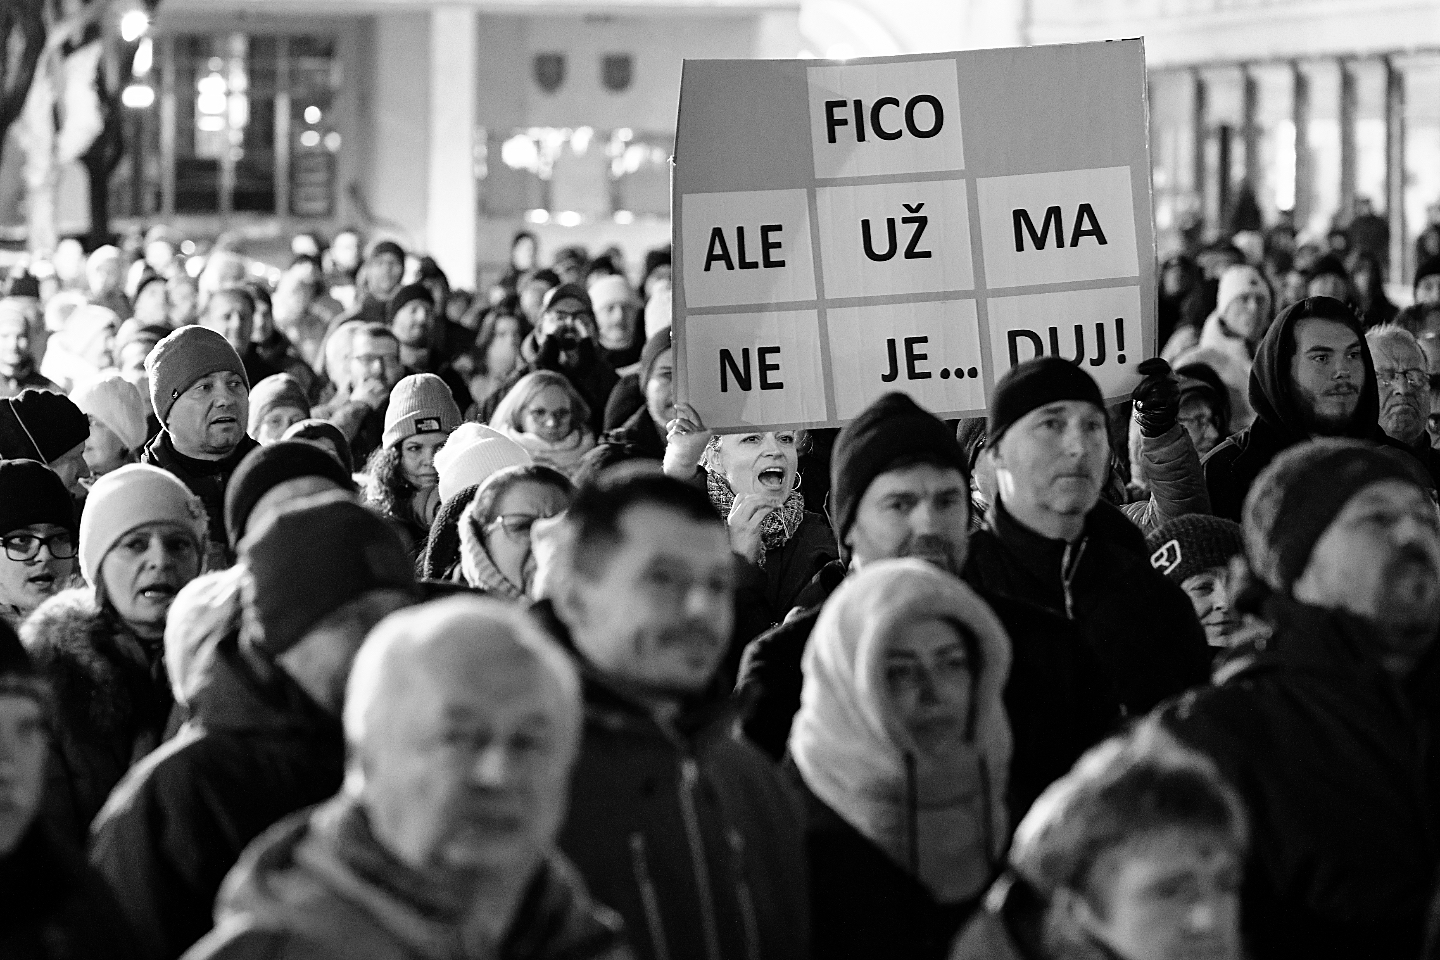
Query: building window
x=573 y=176
x=243 y=124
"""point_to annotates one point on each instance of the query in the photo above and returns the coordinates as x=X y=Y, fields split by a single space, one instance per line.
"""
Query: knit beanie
x=1428 y=267
x=472 y=453
x=1193 y=544
x=312 y=558
x=130 y=497
x=133 y=331
x=32 y=493
x=1296 y=498
x=892 y=429
x=655 y=346
x=183 y=357
x=567 y=291
x=408 y=294
x=1239 y=279
x=40 y=425
x=1328 y=265
x=420 y=403
x=314 y=429
x=276 y=390
x=1036 y=383
x=115 y=402
x=265 y=468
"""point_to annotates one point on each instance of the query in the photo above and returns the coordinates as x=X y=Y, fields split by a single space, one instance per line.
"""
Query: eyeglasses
x=549 y=416
x=1414 y=379
x=26 y=546
x=571 y=316
x=517 y=525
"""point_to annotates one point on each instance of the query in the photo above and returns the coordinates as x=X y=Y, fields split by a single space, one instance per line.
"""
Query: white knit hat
x=116 y=403
x=130 y=497
x=421 y=403
x=1241 y=278
x=473 y=452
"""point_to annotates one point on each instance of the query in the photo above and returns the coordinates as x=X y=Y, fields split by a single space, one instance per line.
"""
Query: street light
x=133 y=24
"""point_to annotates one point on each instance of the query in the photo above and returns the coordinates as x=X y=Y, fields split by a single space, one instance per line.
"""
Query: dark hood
x=1270 y=393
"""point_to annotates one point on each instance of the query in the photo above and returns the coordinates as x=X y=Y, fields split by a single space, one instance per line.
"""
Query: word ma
x=1086 y=225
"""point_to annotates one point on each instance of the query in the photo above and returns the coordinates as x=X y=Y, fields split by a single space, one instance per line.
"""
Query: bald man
x=462 y=722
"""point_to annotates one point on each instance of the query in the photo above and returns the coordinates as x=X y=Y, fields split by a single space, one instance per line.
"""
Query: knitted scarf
x=778 y=526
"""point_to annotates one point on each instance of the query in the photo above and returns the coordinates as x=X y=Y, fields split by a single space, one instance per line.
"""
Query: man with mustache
x=689 y=833
x=1327 y=728
x=1404 y=382
x=1313 y=377
x=565 y=340
x=900 y=488
x=1050 y=540
x=201 y=397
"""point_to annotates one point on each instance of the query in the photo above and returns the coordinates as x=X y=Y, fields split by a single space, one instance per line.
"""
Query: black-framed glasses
x=26 y=546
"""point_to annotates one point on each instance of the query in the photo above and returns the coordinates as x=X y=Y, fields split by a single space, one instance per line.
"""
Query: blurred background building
x=451 y=125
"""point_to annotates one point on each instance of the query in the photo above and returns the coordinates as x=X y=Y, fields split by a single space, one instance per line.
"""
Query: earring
x=798 y=479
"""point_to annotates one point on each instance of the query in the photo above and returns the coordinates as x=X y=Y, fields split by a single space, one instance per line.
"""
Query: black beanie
x=40 y=425
x=1427 y=268
x=265 y=468
x=386 y=246
x=408 y=294
x=892 y=430
x=1033 y=384
x=1193 y=544
x=32 y=493
x=1296 y=498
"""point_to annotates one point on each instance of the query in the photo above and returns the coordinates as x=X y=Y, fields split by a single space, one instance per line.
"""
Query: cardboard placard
x=917 y=223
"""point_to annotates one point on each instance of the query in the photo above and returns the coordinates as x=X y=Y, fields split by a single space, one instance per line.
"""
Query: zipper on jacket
x=689 y=780
x=649 y=899
x=1068 y=567
x=748 y=914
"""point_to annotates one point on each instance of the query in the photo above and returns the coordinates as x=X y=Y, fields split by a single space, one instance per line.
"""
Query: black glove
x=1156 y=399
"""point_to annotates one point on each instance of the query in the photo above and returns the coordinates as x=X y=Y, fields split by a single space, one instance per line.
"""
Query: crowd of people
x=346 y=615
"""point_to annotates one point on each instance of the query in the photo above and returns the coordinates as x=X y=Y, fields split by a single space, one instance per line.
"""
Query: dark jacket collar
x=175 y=461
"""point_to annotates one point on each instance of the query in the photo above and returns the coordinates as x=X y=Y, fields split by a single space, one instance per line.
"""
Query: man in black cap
x=263 y=737
x=1050 y=540
x=46 y=426
x=53 y=904
x=900 y=488
x=1312 y=377
x=566 y=341
x=1327 y=729
x=412 y=318
x=376 y=282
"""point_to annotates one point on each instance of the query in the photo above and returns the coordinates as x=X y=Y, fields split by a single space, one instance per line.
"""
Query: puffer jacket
x=113 y=697
x=54 y=907
x=1140 y=625
x=1231 y=468
x=1336 y=761
x=687 y=831
x=253 y=750
x=318 y=886
x=1176 y=482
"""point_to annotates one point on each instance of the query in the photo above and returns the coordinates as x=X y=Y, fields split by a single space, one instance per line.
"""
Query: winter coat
x=1231 y=468
x=684 y=829
x=1059 y=698
x=113 y=698
x=767 y=593
x=1140 y=625
x=207 y=479
x=54 y=907
x=252 y=751
x=863 y=904
x=1335 y=760
x=637 y=439
x=317 y=886
x=594 y=381
x=363 y=425
x=1176 y=483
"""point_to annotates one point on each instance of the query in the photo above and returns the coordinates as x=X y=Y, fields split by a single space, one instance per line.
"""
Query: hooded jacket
x=940 y=818
x=1336 y=762
x=252 y=751
x=1140 y=625
x=318 y=886
x=55 y=907
x=1231 y=468
x=684 y=829
x=113 y=697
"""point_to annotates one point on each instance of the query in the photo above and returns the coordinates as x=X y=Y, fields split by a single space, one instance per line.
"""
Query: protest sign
x=917 y=223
